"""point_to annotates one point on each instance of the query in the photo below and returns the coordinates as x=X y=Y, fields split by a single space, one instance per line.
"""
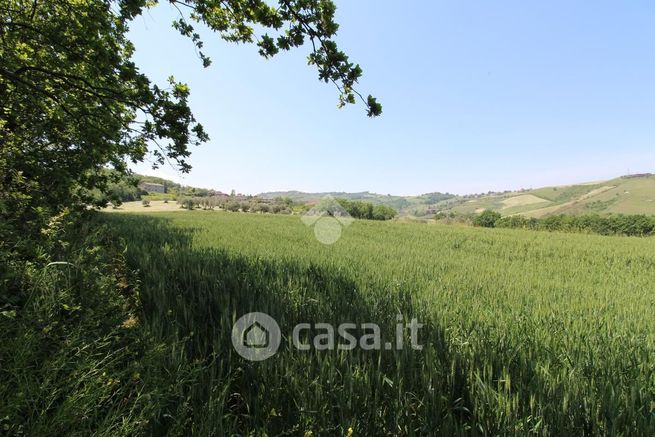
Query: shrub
x=487 y=219
x=261 y=207
x=232 y=206
x=187 y=203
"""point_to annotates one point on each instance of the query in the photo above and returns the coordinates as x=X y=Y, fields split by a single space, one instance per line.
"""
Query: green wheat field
x=525 y=332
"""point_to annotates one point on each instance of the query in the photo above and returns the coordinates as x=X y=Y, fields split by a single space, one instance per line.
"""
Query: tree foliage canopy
x=73 y=102
x=487 y=219
x=366 y=210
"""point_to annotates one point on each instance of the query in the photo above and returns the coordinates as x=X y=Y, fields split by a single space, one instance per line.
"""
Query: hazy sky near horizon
x=477 y=96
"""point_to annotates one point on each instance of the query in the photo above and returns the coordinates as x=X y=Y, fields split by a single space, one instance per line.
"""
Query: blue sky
x=477 y=96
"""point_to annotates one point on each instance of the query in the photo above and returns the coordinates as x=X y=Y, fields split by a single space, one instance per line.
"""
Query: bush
x=65 y=328
x=187 y=203
x=487 y=219
x=232 y=206
x=383 y=212
x=260 y=207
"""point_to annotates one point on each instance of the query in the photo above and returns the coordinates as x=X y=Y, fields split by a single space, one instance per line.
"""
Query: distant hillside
x=632 y=194
x=400 y=203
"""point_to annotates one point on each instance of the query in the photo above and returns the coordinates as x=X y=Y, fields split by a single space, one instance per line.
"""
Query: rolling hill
x=623 y=195
x=632 y=194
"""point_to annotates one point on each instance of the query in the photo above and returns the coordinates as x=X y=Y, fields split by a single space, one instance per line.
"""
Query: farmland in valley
x=633 y=194
x=525 y=332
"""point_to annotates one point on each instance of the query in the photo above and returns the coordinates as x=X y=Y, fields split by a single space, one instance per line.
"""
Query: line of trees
x=284 y=205
x=629 y=225
x=278 y=206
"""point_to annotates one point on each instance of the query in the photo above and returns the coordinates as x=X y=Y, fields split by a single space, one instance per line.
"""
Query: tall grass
x=526 y=332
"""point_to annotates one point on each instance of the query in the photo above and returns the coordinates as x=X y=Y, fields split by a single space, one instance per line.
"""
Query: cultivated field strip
x=526 y=332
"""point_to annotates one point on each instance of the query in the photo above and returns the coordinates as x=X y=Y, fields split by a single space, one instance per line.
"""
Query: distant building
x=151 y=187
x=219 y=194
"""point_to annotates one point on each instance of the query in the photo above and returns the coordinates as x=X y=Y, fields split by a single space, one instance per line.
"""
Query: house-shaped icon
x=256 y=336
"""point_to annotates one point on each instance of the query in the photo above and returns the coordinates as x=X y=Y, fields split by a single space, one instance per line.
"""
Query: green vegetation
x=601 y=205
x=434 y=198
x=71 y=364
x=540 y=202
x=120 y=188
x=627 y=195
x=629 y=225
x=248 y=204
x=487 y=219
x=366 y=210
x=75 y=103
x=624 y=195
x=525 y=332
x=119 y=324
x=75 y=111
x=395 y=202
